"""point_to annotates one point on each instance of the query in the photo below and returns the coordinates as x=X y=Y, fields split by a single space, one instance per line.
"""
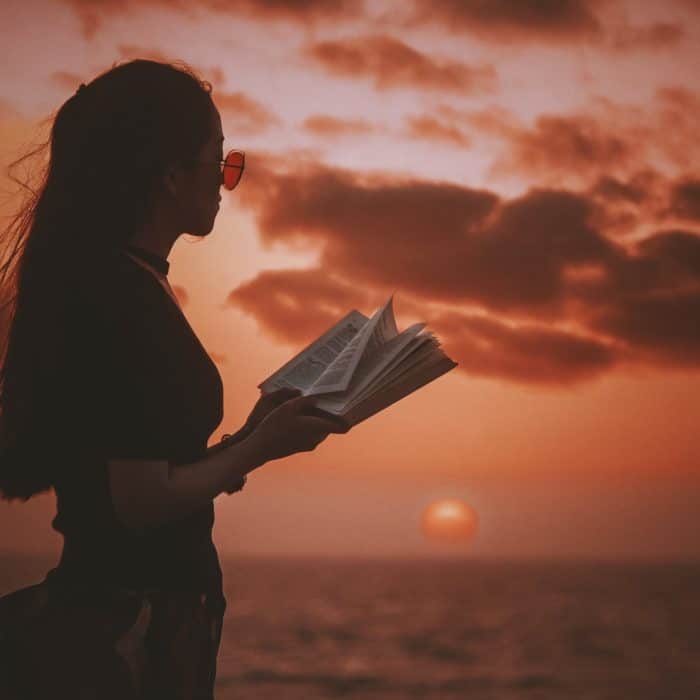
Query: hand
x=269 y=402
x=290 y=428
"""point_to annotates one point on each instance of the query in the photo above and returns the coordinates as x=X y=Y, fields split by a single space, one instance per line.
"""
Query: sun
x=449 y=520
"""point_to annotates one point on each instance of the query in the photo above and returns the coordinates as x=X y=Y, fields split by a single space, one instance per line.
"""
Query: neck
x=155 y=240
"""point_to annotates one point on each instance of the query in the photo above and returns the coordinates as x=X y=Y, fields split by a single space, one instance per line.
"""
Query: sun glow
x=449 y=520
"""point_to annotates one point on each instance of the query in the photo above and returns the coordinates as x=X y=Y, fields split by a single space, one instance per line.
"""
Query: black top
x=160 y=264
x=136 y=383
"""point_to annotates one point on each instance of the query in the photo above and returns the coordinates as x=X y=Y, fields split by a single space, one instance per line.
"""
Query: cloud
x=295 y=306
x=577 y=145
x=612 y=189
x=528 y=353
x=391 y=63
x=551 y=21
x=606 y=139
x=245 y=115
x=530 y=282
x=663 y=327
x=92 y=14
x=500 y=20
x=660 y=35
x=685 y=199
x=428 y=128
x=326 y=126
x=505 y=255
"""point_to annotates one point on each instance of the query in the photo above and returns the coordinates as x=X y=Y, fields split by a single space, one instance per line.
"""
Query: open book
x=362 y=365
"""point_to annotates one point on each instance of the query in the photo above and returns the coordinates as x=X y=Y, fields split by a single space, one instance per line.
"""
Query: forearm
x=231 y=439
x=151 y=493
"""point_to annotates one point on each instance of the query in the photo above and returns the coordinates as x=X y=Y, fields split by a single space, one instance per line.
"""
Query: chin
x=201 y=231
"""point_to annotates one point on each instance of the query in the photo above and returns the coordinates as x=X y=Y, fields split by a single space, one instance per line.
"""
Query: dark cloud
x=557 y=144
x=607 y=139
x=557 y=301
x=550 y=21
x=296 y=306
x=498 y=20
x=326 y=126
x=506 y=256
x=656 y=36
x=428 y=128
x=93 y=13
x=685 y=199
x=528 y=353
x=675 y=119
x=626 y=204
x=391 y=63
x=663 y=327
x=612 y=189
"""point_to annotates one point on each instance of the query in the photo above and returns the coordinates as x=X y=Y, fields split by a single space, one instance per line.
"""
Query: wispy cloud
x=326 y=126
x=93 y=14
x=391 y=63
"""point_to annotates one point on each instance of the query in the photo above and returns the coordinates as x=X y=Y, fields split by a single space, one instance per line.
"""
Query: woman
x=108 y=397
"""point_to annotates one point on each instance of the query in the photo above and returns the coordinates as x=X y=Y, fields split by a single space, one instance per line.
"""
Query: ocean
x=313 y=628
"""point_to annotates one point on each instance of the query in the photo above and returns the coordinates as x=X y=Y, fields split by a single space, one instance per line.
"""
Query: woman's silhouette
x=108 y=397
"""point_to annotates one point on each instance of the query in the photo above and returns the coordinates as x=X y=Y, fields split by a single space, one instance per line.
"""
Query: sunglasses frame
x=241 y=167
x=223 y=164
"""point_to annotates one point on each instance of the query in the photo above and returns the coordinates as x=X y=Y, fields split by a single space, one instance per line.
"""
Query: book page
x=371 y=366
x=377 y=331
x=409 y=382
x=308 y=365
x=425 y=354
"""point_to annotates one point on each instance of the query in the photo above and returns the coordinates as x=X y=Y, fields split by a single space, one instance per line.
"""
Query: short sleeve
x=122 y=378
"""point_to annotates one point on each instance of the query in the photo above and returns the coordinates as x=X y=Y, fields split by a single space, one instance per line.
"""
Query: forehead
x=216 y=134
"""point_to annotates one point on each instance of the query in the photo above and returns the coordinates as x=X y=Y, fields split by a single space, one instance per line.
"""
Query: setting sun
x=449 y=520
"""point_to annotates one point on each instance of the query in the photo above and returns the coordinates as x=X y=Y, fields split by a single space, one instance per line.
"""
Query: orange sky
x=525 y=180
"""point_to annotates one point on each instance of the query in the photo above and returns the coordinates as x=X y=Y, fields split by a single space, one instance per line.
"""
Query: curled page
x=372 y=365
x=377 y=331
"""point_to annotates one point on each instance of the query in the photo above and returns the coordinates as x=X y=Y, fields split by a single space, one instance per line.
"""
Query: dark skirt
x=108 y=643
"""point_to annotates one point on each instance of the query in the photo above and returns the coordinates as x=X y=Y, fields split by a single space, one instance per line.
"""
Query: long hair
x=109 y=146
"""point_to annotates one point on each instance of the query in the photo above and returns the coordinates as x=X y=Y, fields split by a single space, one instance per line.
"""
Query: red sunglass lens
x=233 y=169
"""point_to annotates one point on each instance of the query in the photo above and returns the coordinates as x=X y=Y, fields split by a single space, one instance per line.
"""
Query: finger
x=320 y=413
x=323 y=425
x=301 y=403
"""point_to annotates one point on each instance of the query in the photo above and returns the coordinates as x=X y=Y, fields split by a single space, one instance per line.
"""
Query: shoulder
x=111 y=276
x=110 y=293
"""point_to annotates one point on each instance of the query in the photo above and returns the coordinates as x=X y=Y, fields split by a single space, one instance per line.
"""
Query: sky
x=523 y=175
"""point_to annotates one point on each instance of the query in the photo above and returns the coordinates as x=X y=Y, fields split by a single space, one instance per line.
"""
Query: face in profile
x=203 y=184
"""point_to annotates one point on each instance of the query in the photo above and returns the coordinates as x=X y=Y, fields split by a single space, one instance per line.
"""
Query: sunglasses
x=232 y=167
